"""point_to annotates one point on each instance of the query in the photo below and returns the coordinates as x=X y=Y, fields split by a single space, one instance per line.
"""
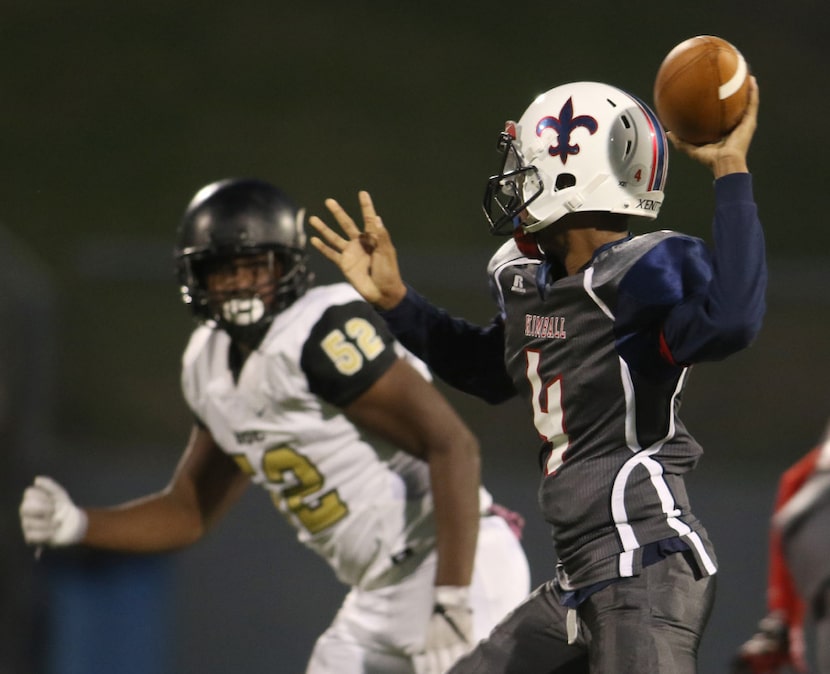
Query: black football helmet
x=242 y=219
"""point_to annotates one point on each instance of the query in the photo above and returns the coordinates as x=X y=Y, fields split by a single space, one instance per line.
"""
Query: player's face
x=238 y=274
x=242 y=287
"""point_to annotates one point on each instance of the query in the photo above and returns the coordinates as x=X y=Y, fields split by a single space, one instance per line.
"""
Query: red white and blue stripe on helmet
x=659 y=147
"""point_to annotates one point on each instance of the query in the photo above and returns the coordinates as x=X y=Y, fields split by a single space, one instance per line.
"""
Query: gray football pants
x=821 y=615
x=649 y=623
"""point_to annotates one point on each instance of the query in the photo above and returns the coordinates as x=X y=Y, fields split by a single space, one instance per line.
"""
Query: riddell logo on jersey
x=549 y=327
x=518 y=286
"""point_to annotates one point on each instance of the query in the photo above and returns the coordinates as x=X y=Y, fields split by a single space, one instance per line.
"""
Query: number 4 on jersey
x=548 y=414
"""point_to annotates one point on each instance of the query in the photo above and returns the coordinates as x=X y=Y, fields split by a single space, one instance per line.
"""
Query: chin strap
x=576 y=198
x=645 y=204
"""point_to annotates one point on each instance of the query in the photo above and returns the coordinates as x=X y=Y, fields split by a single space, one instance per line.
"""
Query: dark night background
x=113 y=114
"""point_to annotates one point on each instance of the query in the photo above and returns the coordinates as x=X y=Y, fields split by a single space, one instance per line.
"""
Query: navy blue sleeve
x=468 y=357
x=727 y=316
x=689 y=303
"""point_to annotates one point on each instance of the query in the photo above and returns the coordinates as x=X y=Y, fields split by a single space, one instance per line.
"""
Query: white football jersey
x=362 y=504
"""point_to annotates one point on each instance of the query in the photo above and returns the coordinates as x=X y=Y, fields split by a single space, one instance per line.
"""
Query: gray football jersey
x=614 y=449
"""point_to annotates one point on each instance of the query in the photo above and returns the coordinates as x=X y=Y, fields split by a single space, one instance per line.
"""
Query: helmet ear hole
x=565 y=180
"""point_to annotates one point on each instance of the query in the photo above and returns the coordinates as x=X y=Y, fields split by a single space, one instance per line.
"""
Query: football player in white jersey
x=303 y=391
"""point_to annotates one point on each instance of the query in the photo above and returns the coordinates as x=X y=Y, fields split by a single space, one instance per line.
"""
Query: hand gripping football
x=702 y=89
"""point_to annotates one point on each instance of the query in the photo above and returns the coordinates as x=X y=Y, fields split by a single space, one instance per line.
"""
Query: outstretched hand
x=367 y=258
x=727 y=155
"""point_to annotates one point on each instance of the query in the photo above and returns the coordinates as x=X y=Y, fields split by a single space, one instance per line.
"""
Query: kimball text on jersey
x=552 y=327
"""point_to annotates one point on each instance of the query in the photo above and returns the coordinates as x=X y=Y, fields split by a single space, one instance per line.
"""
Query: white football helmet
x=583 y=146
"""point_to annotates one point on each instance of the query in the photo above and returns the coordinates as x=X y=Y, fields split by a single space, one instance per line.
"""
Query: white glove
x=449 y=632
x=48 y=516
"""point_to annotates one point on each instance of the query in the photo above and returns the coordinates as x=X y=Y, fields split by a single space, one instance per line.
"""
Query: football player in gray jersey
x=303 y=391
x=596 y=329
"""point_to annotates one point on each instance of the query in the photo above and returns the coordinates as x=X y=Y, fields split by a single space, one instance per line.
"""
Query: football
x=702 y=89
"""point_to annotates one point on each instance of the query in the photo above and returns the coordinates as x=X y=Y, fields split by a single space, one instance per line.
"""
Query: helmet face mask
x=241 y=289
x=510 y=191
x=241 y=256
x=583 y=146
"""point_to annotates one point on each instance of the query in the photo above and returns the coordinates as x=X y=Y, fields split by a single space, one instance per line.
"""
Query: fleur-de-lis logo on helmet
x=564 y=126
